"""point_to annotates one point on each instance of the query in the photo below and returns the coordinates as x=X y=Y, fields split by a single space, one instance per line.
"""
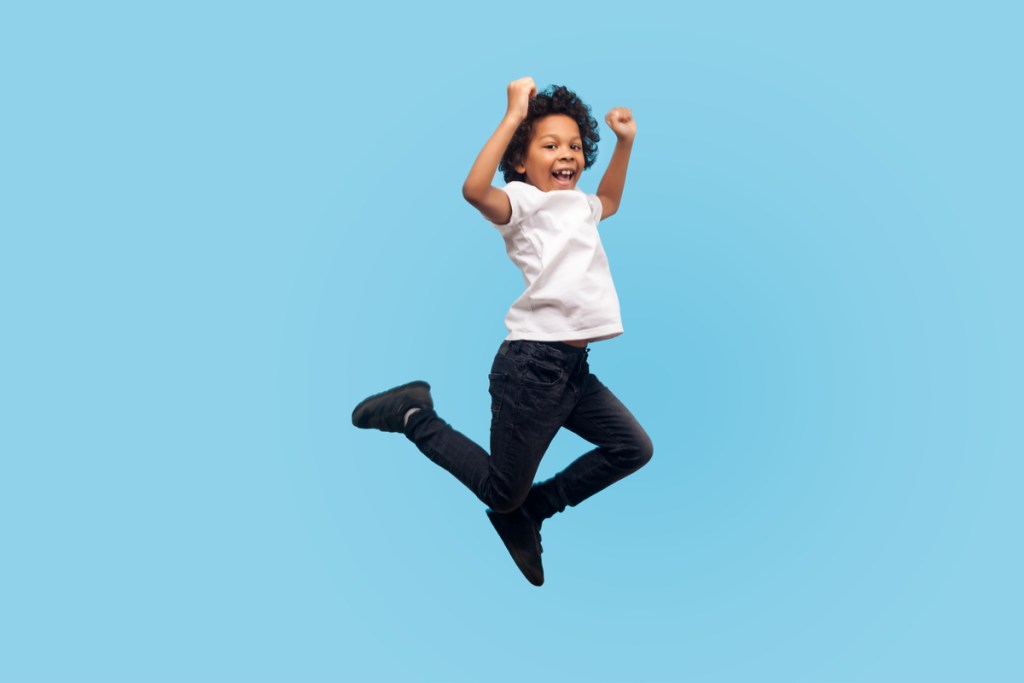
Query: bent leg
x=623 y=447
x=448 y=448
x=530 y=397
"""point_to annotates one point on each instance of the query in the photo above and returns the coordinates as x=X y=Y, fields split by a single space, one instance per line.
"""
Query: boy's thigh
x=530 y=400
x=602 y=419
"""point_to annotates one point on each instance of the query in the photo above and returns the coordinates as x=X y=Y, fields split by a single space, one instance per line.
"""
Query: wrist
x=513 y=119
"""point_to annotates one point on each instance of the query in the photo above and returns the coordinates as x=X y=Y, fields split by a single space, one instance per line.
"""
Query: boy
x=540 y=380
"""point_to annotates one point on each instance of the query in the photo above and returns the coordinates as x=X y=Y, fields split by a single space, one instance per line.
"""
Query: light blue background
x=225 y=224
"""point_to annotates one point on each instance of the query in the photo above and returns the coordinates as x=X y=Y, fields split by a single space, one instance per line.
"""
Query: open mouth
x=564 y=176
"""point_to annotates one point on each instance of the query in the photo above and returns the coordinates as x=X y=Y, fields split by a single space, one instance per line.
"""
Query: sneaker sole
x=520 y=561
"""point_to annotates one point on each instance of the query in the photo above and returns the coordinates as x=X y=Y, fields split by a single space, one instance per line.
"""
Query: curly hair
x=556 y=99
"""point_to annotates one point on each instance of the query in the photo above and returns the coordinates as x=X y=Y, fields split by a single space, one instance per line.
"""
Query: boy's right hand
x=493 y=203
x=519 y=94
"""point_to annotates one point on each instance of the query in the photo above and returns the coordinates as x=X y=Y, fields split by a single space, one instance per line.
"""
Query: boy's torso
x=552 y=238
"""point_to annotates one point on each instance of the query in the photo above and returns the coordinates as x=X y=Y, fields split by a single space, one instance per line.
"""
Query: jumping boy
x=540 y=380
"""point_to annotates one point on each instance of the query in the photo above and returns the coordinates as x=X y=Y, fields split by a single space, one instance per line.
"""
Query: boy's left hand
x=620 y=120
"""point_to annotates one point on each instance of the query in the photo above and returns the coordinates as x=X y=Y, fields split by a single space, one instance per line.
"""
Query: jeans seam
x=514 y=406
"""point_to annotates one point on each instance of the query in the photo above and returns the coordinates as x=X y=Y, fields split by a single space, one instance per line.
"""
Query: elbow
x=470 y=194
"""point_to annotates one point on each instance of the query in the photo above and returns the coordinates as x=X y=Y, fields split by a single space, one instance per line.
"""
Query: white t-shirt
x=552 y=238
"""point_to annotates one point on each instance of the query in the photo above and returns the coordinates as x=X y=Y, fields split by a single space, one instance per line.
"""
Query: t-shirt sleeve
x=595 y=207
x=522 y=201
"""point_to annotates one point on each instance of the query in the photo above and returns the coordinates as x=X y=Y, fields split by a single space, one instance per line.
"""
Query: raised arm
x=620 y=120
x=478 y=191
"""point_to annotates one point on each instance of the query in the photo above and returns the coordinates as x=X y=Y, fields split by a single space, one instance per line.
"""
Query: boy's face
x=554 y=156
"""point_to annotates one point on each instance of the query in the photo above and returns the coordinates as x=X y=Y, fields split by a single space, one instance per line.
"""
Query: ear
x=520 y=165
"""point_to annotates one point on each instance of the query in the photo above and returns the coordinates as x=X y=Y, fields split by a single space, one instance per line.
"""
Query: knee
x=639 y=452
x=507 y=501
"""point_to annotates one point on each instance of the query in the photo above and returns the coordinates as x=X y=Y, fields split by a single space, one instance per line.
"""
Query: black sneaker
x=386 y=411
x=522 y=538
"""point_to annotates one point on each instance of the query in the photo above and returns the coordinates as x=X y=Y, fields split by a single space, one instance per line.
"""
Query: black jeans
x=537 y=388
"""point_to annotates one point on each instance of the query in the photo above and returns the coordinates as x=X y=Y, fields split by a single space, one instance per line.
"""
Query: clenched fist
x=520 y=92
x=620 y=120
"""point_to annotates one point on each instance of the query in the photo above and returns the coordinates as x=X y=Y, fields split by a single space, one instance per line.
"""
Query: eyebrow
x=552 y=135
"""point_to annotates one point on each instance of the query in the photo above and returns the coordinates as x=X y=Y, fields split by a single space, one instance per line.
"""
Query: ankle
x=535 y=509
x=408 y=413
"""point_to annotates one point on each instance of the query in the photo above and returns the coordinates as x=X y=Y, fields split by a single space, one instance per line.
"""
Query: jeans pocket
x=540 y=374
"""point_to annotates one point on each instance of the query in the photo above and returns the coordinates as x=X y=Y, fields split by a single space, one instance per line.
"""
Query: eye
x=577 y=147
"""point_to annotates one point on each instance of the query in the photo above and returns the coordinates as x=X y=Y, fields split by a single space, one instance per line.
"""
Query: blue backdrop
x=224 y=224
